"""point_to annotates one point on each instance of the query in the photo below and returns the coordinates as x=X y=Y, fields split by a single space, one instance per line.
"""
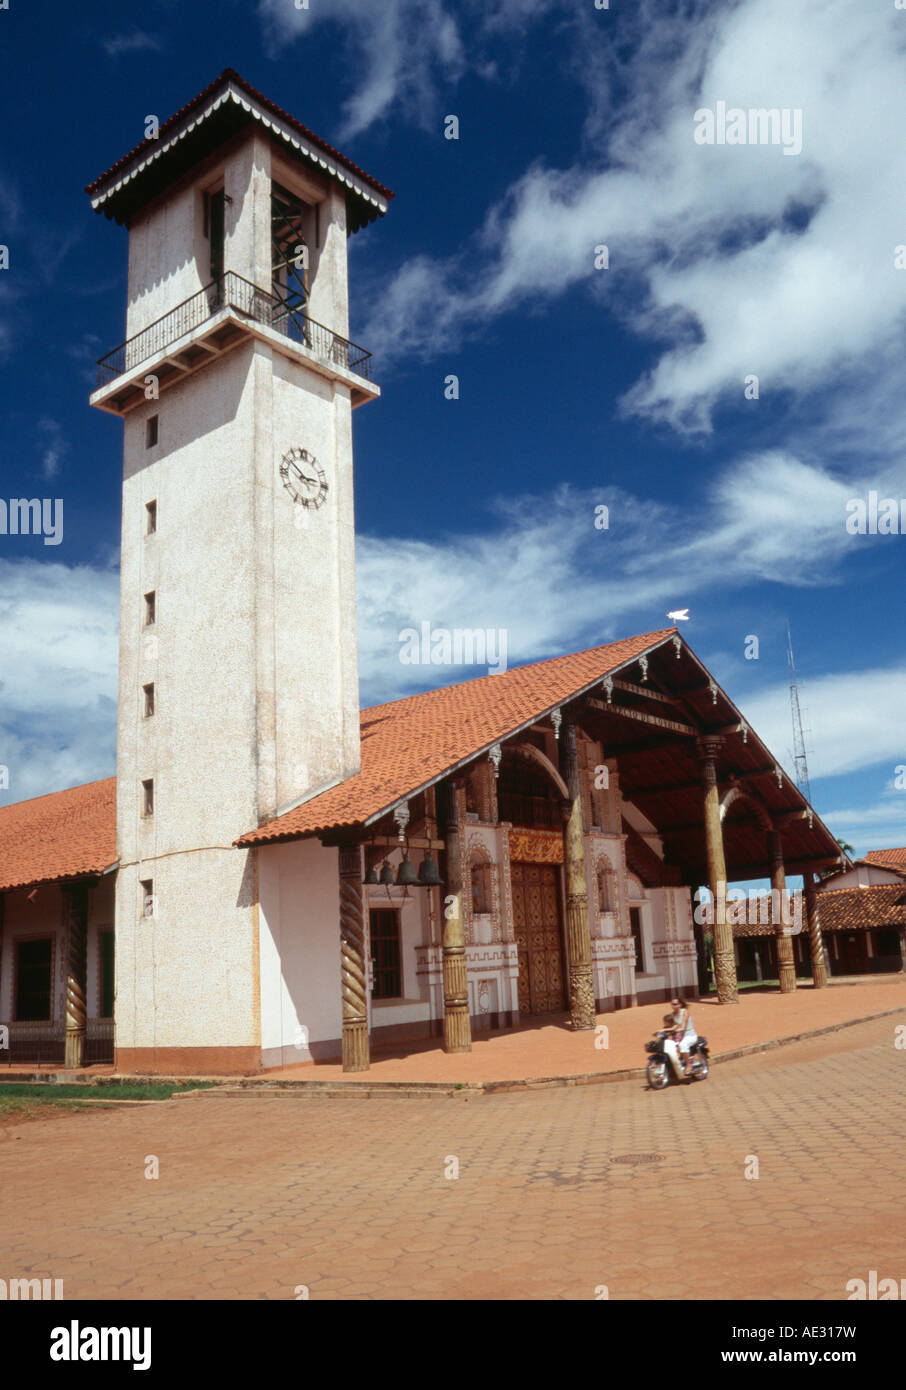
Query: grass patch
x=31 y=1100
x=50 y=1093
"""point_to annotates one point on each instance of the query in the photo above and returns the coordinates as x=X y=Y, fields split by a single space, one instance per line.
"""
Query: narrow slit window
x=147 y=897
x=150 y=518
x=150 y=608
x=151 y=431
x=148 y=700
x=148 y=797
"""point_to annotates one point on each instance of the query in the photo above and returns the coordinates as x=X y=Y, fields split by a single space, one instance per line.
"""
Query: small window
x=151 y=431
x=481 y=887
x=605 y=893
x=148 y=693
x=150 y=608
x=33 y=980
x=149 y=906
x=385 y=954
x=148 y=797
x=105 y=989
x=150 y=517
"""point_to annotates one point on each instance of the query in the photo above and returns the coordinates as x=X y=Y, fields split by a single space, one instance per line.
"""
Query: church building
x=276 y=876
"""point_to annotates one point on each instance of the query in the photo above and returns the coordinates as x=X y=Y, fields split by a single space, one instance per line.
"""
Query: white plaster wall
x=862 y=876
x=299 y=947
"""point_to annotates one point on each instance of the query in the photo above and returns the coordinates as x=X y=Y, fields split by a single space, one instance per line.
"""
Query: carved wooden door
x=539 y=939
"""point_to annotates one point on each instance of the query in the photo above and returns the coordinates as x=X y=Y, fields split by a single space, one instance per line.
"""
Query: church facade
x=275 y=876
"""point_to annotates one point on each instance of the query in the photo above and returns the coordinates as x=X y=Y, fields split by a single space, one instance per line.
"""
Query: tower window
x=150 y=517
x=148 y=797
x=148 y=693
x=151 y=431
x=149 y=906
x=150 y=608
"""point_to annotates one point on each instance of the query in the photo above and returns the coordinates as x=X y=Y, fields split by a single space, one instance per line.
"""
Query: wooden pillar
x=581 y=979
x=356 y=1050
x=819 y=959
x=724 y=958
x=786 y=961
x=76 y=1012
x=457 y=1027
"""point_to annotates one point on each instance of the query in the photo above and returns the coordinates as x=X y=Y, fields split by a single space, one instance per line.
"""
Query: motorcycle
x=660 y=1068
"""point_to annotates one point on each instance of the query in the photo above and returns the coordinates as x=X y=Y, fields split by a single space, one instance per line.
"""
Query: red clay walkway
x=549 y=1048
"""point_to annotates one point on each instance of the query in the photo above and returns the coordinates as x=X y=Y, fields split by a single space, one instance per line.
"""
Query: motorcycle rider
x=684 y=1036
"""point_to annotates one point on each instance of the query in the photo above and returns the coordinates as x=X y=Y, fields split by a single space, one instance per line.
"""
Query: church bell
x=406 y=876
x=386 y=875
x=428 y=876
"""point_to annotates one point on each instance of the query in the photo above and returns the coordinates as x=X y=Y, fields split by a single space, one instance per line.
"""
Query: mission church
x=276 y=876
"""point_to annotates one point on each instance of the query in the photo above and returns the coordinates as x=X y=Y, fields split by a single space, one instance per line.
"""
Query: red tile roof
x=409 y=743
x=851 y=909
x=887 y=859
x=230 y=75
x=60 y=836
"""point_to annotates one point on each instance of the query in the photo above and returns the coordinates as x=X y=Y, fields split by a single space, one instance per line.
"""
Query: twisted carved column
x=816 y=940
x=356 y=1053
x=578 y=934
x=724 y=957
x=457 y=1027
x=76 y=1011
x=786 y=961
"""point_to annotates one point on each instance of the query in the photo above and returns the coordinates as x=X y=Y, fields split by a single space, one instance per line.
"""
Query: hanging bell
x=406 y=876
x=371 y=877
x=386 y=875
x=428 y=876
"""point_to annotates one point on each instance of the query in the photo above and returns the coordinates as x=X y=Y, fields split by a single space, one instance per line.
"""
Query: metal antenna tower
x=799 y=754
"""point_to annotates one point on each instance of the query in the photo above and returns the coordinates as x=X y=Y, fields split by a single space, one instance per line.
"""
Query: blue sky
x=578 y=386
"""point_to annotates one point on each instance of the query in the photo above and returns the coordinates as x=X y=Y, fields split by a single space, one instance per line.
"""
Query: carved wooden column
x=786 y=960
x=724 y=958
x=819 y=959
x=457 y=1027
x=356 y=1050
x=581 y=979
x=76 y=899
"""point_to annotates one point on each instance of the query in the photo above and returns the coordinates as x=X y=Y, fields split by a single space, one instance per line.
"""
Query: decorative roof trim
x=280 y=126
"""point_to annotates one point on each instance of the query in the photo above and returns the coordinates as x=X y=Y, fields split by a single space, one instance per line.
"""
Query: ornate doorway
x=539 y=938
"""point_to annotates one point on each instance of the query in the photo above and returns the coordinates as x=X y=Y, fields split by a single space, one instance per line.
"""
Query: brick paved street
x=257 y=1196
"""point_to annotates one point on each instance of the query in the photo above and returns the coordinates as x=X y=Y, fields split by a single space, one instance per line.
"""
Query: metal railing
x=232 y=291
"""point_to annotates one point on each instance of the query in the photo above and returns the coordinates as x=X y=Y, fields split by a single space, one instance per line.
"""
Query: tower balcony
x=228 y=311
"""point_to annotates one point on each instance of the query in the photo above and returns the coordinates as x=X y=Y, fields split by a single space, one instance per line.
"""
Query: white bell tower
x=238 y=686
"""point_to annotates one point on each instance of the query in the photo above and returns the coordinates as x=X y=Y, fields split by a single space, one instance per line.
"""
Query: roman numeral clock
x=304 y=478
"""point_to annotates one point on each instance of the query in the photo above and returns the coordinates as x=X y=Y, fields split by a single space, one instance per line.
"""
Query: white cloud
x=403 y=47
x=58 y=681
x=745 y=260
x=855 y=718
x=51 y=446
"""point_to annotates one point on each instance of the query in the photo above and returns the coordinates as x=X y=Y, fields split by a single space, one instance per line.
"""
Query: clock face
x=303 y=477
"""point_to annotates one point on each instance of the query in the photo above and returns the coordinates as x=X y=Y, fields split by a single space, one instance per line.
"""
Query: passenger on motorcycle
x=684 y=1036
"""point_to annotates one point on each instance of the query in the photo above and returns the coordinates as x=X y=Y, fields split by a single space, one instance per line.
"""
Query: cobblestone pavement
x=559 y=1192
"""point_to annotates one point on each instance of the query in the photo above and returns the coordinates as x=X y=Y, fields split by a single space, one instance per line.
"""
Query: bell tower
x=238 y=684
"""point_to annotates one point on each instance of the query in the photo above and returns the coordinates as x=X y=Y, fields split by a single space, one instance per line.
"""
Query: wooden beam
x=670 y=725
x=645 y=692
